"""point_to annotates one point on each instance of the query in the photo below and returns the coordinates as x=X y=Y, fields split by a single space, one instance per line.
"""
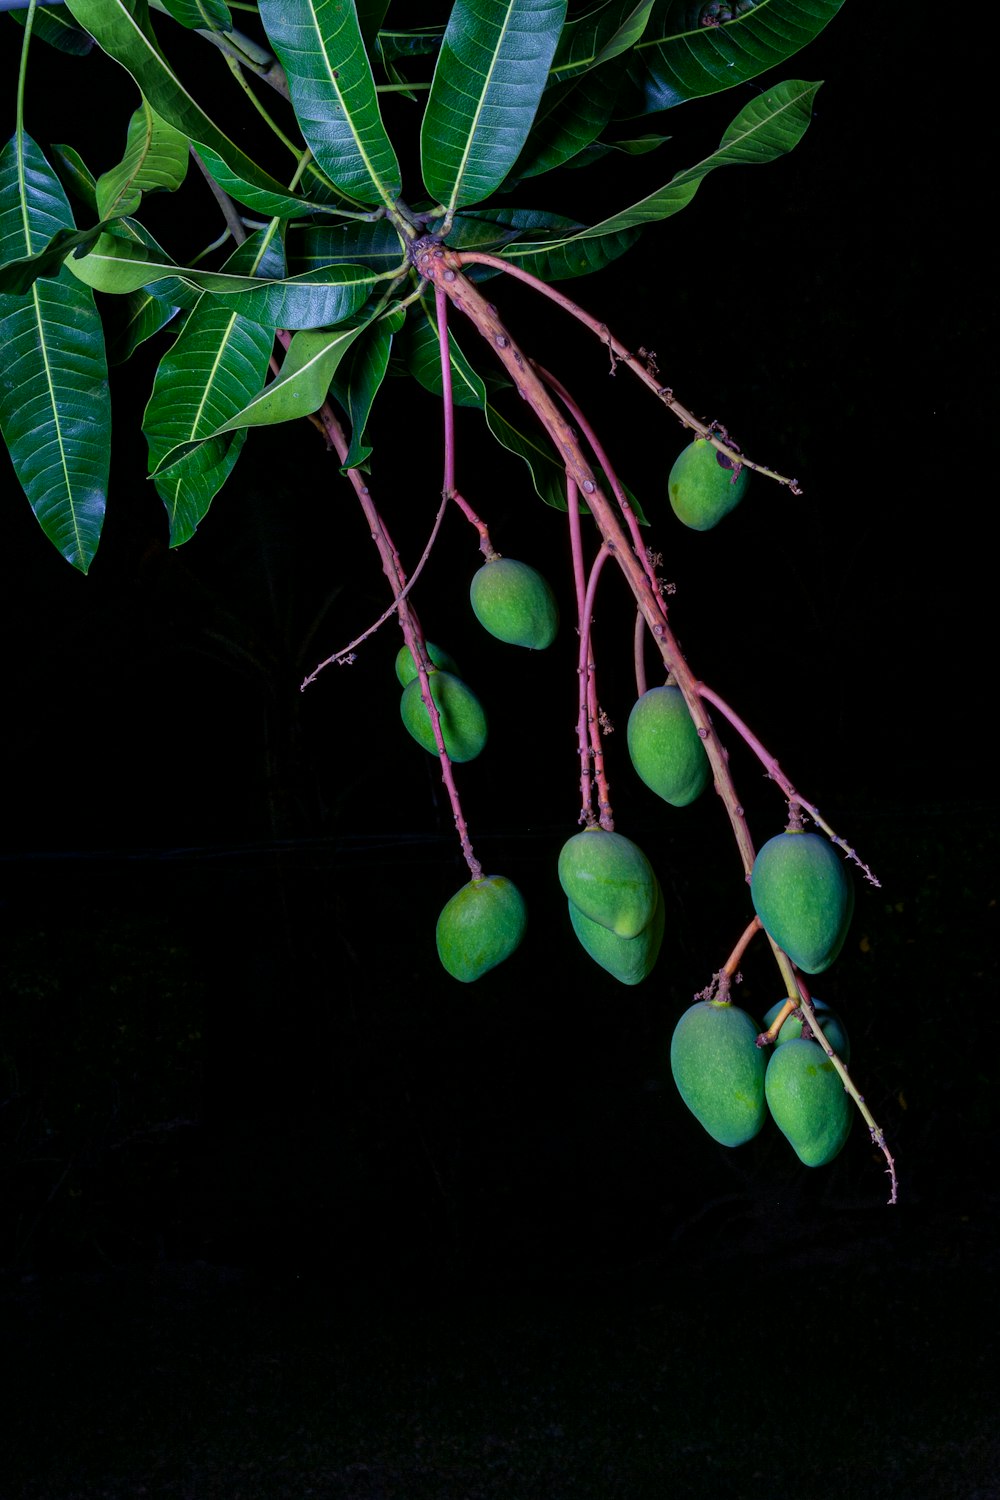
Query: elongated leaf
x=17 y=276
x=333 y=91
x=301 y=387
x=770 y=125
x=375 y=245
x=217 y=363
x=313 y=300
x=607 y=31
x=122 y=28
x=75 y=176
x=55 y=413
x=368 y=366
x=569 y=118
x=52 y=24
x=134 y=318
x=488 y=81
x=679 y=59
x=206 y=15
x=156 y=156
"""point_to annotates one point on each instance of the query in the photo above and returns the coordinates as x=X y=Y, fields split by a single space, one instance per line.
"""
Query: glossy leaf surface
x=156 y=157
x=55 y=412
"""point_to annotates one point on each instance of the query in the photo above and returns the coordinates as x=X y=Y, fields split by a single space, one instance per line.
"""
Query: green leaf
x=608 y=31
x=132 y=319
x=123 y=30
x=333 y=92
x=569 y=118
x=368 y=367
x=216 y=364
x=679 y=59
x=770 y=125
x=375 y=245
x=75 y=176
x=156 y=156
x=313 y=300
x=55 y=412
x=17 y=276
x=488 y=81
x=301 y=387
x=204 y=15
x=53 y=25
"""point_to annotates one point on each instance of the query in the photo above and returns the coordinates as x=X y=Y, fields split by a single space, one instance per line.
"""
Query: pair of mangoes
x=730 y=1084
x=615 y=902
x=665 y=747
x=461 y=715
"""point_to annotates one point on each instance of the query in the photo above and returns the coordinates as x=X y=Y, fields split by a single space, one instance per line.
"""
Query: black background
x=384 y=1234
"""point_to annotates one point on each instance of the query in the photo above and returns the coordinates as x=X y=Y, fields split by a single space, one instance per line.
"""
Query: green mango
x=628 y=959
x=666 y=749
x=463 y=722
x=804 y=897
x=719 y=1070
x=808 y=1101
x=609 y=879
x=702 y=488
x=406 y=667
x=831 y=1026
x=480 y=926
x=513 y=602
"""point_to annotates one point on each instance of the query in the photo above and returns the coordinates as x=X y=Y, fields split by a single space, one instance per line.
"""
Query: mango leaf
x=75 y=176
x=123 y=30
x=489 y=78
x=375 y=245
x=398 y=45
x=489 y=229
x=679 y=59
x=218 y=361
x=608 y=31
x=371 y=14
x=368 y=366
x=333 y=92
x=17 y=276
x=313 y=300
x=569 y=118
x=206 y=15
x=134 y=318
x=156 y=156
x=771 y=124
x=641 y=145
x=55 y=413
x=54 y=26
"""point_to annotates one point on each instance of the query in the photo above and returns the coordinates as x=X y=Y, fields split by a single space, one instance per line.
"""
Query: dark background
x=285 y=1206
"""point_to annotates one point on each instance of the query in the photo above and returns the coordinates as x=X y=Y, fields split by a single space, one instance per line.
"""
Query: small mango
x=803 y=895
x=665 y=746
x=515 y=603
x=463 y=722
x=480 y=926
x=630 y=960
x=830 y=1023
x=719 y=1070
x=808 y=1101
x=703 y=487
x=406 y=667
x=609 y=879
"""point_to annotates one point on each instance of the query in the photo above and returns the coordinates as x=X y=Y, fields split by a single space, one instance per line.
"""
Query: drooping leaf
x=204 y=15
x=771 y=124
x=52 y=24
x=374 y=245
x=218 y=361
x=423 y=356
x=313 y=300
x=367 y=370
x=123 y=30
x=333 y=91
x=132 y=319
x=55 y=413
x=680 y=58
x=17 y=276
x=569 y=118
x=75 y=176
x=489 y=78
x=156 y=157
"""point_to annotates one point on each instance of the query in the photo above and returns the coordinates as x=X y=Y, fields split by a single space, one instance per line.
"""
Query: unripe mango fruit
x=702 y=486
x=666 y=749
x=480 y=926
x=609 y=879
x=513 y=602
x=719 y=1070
x=803 y=895
x=830 y=1023
x=808 y=1101
x=406 y=667
x=628 y=959
x=463 y=722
